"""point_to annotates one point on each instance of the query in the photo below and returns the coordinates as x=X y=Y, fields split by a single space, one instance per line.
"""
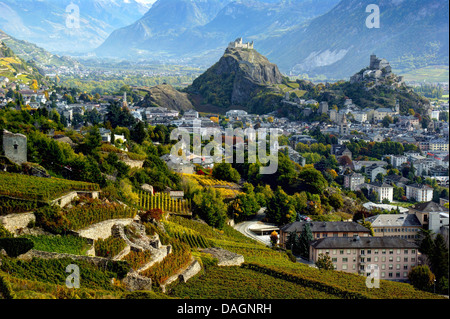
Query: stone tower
x=15 y=147
x=343 y=128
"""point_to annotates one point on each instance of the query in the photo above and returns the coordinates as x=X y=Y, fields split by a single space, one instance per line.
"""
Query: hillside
x=111 y=270
x=14 y=68
x=240 y=78
x=30 y=52
x=165 y=96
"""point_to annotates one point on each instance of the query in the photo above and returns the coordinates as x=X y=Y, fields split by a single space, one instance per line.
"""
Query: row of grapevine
x=210 y=181
x=164 y=202
x=39 y=188
x=82 y=216
x=186 y=235
x=194 y=241
x=169 y=266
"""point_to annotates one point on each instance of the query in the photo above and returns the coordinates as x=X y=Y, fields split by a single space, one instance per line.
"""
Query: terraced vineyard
x=226 y=189
x=266 y=269
x=164 y=202
x=39 y=188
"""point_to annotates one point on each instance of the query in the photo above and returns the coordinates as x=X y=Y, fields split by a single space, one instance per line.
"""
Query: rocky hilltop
x=165 y=95
x=379 y=72
x=238 y=77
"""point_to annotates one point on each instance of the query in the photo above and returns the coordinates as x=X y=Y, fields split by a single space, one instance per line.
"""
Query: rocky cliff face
x=165 y=95
x=238 y=77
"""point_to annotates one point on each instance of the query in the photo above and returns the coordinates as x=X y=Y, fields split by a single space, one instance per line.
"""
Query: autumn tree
x=324 y=262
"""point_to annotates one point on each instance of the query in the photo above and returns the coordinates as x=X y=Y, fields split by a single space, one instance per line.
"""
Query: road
x=244 y=227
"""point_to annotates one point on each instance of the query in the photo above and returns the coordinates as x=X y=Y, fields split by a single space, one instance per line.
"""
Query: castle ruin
x=378 y=72
x=15 y=147
x=239 y=44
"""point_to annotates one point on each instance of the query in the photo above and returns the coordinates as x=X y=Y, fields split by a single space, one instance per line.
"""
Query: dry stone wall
x=14 y=222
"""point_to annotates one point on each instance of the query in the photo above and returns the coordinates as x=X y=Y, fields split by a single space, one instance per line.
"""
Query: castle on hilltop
x=378 y=72
x=239 y=44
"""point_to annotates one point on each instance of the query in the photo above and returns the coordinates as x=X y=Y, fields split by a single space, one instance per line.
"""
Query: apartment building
x=419 y=193
x=392 y=257
x=406 y=226
x=384 y=190
x=353 y=180
x=324 y=230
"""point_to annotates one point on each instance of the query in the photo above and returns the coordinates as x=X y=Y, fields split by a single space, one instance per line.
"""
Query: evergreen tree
x=305 y=239
x=290 y=243
x=439 y=257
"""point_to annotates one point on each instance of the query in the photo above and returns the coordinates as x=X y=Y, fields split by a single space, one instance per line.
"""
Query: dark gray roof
x=325 y=227
x=379 y=184
x=396 y=179
x=400 y=220
x=363 y=242
x=429 y=207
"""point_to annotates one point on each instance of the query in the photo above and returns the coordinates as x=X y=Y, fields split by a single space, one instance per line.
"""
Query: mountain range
x=49 y=23
x=328 y=38
x=199 y=30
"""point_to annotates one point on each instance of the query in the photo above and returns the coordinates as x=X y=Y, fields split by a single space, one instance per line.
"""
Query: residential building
x=324 y=230
x=424 y=210
x=384 y=190
x=373 y=170
x=419 y=193
x=404 y=226
x=439 y=144
x=353 y=180
x=398 y=160
x=340 y=150
x=398 y=180
x=360 y=164
x=392 y=257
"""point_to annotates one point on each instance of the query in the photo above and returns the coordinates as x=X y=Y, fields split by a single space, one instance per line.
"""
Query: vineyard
x=39 y=188
x=138 y=259
x=109 y=247
x=208 y=181
x=60 y=244
x=226 y=189
x=164 y=202
x=186 y=235
x=96 y=211
x=268 y=266
x=163 y=270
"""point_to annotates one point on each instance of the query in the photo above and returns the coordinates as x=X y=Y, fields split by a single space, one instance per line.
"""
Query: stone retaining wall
x=103 y=229
x=184 y=274
x=14 y=222
x=98 y=261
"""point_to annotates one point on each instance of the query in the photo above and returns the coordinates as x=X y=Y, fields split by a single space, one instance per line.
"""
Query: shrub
x=155 y=214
